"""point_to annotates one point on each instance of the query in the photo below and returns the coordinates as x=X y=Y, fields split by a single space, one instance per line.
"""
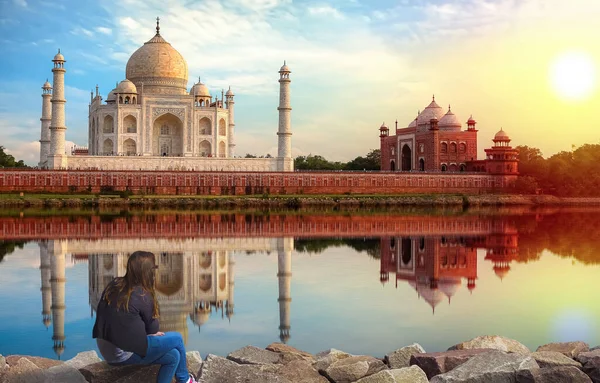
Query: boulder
x=435 y=363
x=401 y=357
x=495 y=342
x=63 y=373
x=584 y=357
x=592 y=369
x=570 y=349
x=562 y=374
x=23 y=371
x=104 y=373
x=353 y=368
x=595 y=348
x=547 y=359
x=411 y=374
x=83 y=359
x=216 y=369
x=300 y=371
x=491 y=367
x=141 y=374
x=289 y=352
x=326 y=358
x=254 y=355
x=2 y=362
x=42 y=363
x=194 y=362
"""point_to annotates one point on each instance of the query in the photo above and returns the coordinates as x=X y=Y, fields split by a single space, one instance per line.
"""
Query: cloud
x=82 y=31
x=325 y=10
x=104 y=30
x=20 y=3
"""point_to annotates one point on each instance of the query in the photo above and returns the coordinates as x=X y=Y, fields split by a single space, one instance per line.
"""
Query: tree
x=371 y=162
x=8 y=161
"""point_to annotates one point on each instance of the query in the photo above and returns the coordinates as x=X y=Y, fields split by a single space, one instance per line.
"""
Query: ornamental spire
x=158 y=26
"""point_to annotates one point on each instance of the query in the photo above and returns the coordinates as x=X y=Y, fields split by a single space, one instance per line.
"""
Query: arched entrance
x=167 y=136
x=129 y=147
x=422 y=165
x=393 y=165
x=170 y=273
x=205 y=149
x=406 y=159
x=107 y=147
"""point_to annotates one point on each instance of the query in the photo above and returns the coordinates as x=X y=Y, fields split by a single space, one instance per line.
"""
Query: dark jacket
x=126 y=329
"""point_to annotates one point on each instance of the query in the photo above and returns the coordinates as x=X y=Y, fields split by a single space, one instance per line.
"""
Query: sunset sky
x=531 y=67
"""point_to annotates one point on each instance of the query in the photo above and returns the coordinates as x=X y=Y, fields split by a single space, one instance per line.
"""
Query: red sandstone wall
x=247 y=183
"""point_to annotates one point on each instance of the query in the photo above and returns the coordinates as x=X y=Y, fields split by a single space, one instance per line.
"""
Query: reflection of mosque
x=191 y=280
x=436 y=266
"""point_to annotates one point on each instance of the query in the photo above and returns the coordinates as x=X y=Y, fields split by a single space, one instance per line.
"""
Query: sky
x=531 y=67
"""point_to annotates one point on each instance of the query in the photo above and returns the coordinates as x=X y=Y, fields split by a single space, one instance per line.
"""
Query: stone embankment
x=486 y=359
x=294 y=202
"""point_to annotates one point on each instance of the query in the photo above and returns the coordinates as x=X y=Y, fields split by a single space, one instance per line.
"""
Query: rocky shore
x=485 y=359
x=45 y=201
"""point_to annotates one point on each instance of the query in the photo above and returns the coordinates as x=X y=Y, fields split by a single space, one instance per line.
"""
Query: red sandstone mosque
x=436 y=142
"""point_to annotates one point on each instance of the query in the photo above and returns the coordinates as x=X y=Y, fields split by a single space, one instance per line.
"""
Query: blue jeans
x=169 y=352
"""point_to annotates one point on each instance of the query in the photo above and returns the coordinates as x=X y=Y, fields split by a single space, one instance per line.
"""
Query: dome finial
x=199 y=80
x=433 y=97
x=449 y=108
x=158 y=25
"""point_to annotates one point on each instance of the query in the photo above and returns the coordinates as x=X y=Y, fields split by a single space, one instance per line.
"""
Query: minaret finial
x=284 y=62
x=158 y=26
x=433 y=97
x=58 y=50
x=199 y=80
x=449 y=109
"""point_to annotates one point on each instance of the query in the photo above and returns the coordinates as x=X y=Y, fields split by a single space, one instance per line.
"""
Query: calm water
x=364 y=283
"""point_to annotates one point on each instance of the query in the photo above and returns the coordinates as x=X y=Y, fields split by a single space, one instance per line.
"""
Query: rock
x=353 y=368
x=63 y=373
x=104 y=373
x=562 y=374
x=491 y=367
x=592 y=369
x=494 y=342
x=548 y=359
x=83 y=359
x=411 y=374
x=435 y=363
x=141 y=374
x=2 y=362
x=401 y=357
x=301 y=371
x=289 y=352
x=584 y=357
x=595 y=348
x=326 y=358
x=23 y=371
x=254 y=355
x=193 y=360
x=42 y=363
x=216 y=369
x=570 y=349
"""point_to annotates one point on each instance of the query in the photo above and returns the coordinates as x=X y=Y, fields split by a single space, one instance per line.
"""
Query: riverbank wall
x=483 y=359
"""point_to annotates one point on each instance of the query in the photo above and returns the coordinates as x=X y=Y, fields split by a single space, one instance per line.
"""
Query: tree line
x=8 y=161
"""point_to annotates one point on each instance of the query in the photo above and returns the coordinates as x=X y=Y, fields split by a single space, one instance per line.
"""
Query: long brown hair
x=140 y=272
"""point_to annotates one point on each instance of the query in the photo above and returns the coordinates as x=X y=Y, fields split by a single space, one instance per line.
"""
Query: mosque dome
x=199 y=317
x=159 y=66
x=501 y=136
x=285 y=68
x=432 y=110
x=449 y=120
x=59 y=57
x=200 y=89
x=126 y=86
x=47 y=85
x=111 y=95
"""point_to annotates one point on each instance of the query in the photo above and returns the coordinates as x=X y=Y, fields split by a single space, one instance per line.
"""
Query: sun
x=573 y=75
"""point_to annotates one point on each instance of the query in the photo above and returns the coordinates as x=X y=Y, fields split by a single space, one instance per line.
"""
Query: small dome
x=471 y=120
x=432 y=110
x=450 y=120
x=284 y=68
x=383 y=126
x=229 y=92
x=59 y=57
x=501 y=136
x=126 y=86
x=200 y=89
x=46 y=85
x=111 y=95
x=199 y=317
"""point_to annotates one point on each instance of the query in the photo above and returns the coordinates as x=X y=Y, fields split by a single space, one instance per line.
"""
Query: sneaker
x=192 y=379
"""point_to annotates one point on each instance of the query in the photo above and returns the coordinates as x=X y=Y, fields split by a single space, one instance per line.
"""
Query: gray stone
x=300 y=371
x=63 y=373
x=216 y=369
x=495 y=342
x=401 y=357
x=254 y=355
x=595 y=348
x=584 y=357
x=547 y=359
x=83 y=359
x=290 y=353
x=592 y=369
x=142 y=374
x=562 y=374
x=435 y=363
x=411 y=374
x=23 y=371
x=353 y=368
x=570 y=349
x=326 y=358
x=42 y=363
x=490 y=367
x=193 y=360
x=104 y=373
x=2 y=362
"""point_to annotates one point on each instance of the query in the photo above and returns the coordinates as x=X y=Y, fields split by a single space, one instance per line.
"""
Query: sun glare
x=573 y=75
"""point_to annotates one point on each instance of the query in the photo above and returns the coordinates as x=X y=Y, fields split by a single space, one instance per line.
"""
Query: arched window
x=204 y=127
x=107 y=147
x=422 y=165
x=406 y=158
x=453 y=147
x=463 y=167
x=453 y=168
x=462 y=148
x=129 y=147
x=444 y=147
x=108 y=125
x=444 y=167
x=127 y=99
x=130 y=124
x=392 y=150
x=393 y=166
x=222 y=129
x=134 y=99
x=222 y=152
x=165 y=130
x=120 y=99
x=204 y=149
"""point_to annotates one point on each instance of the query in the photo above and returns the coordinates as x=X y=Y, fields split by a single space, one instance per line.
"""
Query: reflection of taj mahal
x=191 y=281
x=155 y=122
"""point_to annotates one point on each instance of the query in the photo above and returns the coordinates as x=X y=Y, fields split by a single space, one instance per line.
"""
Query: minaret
x=56 y=157
x=284 y=275
x=56 y=251
x=284 y=147
x=435 y=137
x=230 y=106
x=46 y=117
x=46 y=289
x=231 y=278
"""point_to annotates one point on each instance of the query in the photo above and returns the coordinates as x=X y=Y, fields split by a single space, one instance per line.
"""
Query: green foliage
x=8 y=161
x=371 y=246
x=8 y=247
x=371 y=161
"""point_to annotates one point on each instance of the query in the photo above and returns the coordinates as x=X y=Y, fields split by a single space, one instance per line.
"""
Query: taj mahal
x=150 y=121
